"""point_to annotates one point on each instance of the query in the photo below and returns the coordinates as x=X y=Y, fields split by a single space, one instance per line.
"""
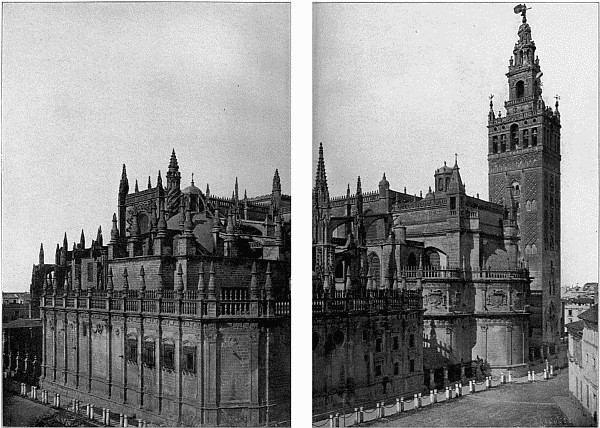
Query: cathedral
x=183 y=317
x=487 y=273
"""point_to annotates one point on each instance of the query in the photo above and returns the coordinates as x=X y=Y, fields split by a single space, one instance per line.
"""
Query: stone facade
x=459 y=251
x=184 y=317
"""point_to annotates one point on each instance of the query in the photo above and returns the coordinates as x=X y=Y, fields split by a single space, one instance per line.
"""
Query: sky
x=401 y=88
x=88 y=87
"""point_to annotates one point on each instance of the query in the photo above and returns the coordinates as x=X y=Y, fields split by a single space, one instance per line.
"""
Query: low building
x=15 y=306
x=583 y=359
x=576 y=300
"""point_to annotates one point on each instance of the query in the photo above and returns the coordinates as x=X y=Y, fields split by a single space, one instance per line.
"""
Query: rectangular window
x=378 y=343
x=148 y=354
x=412 y=366
x=495 y=144
x=453 y=203
x=395 y=343
x=396 y=368
x=411 y=341
x=365 y=335
x=503 y=143
x=189 y=359
x=570 y=312
x=525 y=138
x=131 y=350
x=534 y=137
x=168 y=356
x=378 y=369
x=90 y=272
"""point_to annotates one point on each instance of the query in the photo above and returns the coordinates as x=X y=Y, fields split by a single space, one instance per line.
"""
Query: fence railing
x=236 y=304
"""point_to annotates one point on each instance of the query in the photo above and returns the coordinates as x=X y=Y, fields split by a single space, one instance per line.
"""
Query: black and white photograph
x=146 y=214
x=455 y=214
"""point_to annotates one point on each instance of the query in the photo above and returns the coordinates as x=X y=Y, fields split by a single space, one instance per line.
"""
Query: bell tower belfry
x=524 y=170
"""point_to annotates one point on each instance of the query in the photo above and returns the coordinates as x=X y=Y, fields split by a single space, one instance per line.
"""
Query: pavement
x=542 y=403
x=21 y=412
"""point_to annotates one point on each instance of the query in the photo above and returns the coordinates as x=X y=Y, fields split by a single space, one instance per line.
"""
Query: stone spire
x=321 y=190
x=41 y=257
x=124 y=183
x=173 y=185
x=114 y=232
x=137 y=189
x=99 y=239
x=149 y=183
x=82 y=240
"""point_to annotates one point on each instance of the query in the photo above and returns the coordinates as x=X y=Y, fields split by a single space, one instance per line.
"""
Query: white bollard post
x=502 y=379
x=460 y=387
x=58 y=400
x=337 y=419
x=545 y=374
x=362 y=414
x=551 y=371
x=382 y=409
x=435 y=395
x=398 y=406
x=431 y=396
x=378 y=412
x=509 y=377
x=356 y=417
x=126 y=420
x=416 y=401
x=140 y=423
x=401 y=404
x=447 y=394
x=120 y=419
x=529 y=376
x=91 y=412
x=456 y=390
x=532 y=376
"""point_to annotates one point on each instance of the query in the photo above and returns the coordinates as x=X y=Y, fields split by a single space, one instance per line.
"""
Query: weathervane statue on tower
x=522 y=9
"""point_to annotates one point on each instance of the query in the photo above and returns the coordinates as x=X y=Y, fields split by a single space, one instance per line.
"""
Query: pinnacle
x=173 y=162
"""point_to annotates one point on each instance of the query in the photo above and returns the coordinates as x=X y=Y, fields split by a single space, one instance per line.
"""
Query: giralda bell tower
x=524 y=175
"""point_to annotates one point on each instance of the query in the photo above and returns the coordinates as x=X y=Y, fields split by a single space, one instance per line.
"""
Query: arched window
x=514 y=136
x=148 y=352
x=525 y=138
x=495 y=144
x=375 y=266
x=144 y=224
x=412 y=260
x=168 y=355
x=447 y=183
x=441 y=184
x=339 y=270
x=520 y=86
x=131 y=350
x=188 y=360
x=534 y=137
x=516 y=189
x=502 y=143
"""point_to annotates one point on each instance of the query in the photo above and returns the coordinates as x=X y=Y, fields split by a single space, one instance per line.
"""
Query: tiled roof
x=591 y=315
x=575 y=327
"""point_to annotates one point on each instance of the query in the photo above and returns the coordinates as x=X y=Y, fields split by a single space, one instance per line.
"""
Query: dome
x=443 y=169
x=191 y=189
